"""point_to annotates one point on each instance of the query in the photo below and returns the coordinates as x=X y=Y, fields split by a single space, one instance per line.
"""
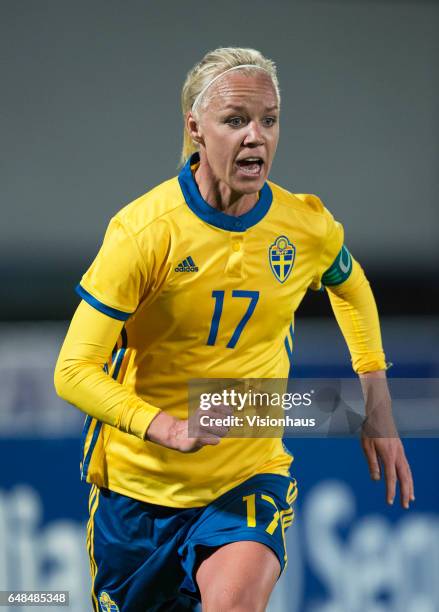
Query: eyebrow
x=239 y=107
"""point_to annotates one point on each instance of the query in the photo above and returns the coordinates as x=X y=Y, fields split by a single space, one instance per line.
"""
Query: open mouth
x=251 y=166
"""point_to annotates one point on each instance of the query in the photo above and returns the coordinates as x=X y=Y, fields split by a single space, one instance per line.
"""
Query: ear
x=194 y=128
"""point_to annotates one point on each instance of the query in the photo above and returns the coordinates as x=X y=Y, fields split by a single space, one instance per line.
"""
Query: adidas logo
x=187 y=265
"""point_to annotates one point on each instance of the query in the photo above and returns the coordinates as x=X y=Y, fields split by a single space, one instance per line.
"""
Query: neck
x=220 y=196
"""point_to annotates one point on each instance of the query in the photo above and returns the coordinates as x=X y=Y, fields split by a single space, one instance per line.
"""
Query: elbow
x=59 y=380
x=73 y=379
x=63 y=380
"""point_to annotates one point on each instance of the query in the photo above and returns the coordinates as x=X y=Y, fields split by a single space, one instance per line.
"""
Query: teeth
x=251 y=159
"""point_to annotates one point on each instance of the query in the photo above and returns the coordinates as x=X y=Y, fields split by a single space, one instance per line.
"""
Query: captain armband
x=340 y=270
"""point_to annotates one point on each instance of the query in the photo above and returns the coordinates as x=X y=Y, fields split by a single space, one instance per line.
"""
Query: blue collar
x=214 y=216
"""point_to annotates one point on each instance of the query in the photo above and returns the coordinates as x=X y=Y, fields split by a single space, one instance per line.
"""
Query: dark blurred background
x=90 y=119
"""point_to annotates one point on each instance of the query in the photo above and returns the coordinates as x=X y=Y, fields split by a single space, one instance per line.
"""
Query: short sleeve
x=115 y=282
x=331 y=247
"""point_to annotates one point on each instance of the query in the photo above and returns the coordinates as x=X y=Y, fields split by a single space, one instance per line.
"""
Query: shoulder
x=161 y=201
x=302 y=202
x=311 y=202
x=303 y=206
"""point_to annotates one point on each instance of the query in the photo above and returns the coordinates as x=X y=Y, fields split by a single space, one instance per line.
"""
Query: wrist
x=379 y=421
x=161 y=430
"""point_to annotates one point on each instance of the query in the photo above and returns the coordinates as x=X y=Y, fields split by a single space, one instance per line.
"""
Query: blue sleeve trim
x=340 y=270
x=111 y=312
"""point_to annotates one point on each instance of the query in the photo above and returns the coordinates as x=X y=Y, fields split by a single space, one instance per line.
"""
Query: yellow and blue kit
x=190 y=292
x=144 y=556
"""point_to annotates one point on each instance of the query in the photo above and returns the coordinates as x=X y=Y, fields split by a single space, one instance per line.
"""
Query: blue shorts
x=144 y=557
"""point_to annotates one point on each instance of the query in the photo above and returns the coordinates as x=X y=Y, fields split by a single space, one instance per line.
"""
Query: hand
x=171 y=432
x=380 y=440
x=390 y=452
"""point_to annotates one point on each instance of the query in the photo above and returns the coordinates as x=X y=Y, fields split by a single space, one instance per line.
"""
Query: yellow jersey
x=203 y=295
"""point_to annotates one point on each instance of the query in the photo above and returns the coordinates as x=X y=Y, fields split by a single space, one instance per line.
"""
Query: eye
x=235 y=121
x=269 y=121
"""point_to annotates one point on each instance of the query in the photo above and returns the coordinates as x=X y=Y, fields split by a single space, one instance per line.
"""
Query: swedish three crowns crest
x=282 y=254
x=107 y=604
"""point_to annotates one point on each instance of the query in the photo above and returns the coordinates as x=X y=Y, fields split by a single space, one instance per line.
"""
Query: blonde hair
x=213 y=65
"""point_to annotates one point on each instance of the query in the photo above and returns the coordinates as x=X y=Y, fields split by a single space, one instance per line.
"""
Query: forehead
x=242 y=89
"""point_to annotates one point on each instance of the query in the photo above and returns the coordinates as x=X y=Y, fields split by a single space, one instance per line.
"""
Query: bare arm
x=356 y=313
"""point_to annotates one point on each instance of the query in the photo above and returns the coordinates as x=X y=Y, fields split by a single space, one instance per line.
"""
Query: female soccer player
x=200 y=277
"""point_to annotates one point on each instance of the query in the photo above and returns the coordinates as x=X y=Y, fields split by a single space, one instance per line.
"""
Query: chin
x=248 y=186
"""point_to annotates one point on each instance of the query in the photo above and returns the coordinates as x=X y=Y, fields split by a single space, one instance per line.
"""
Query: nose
x=253 y=135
